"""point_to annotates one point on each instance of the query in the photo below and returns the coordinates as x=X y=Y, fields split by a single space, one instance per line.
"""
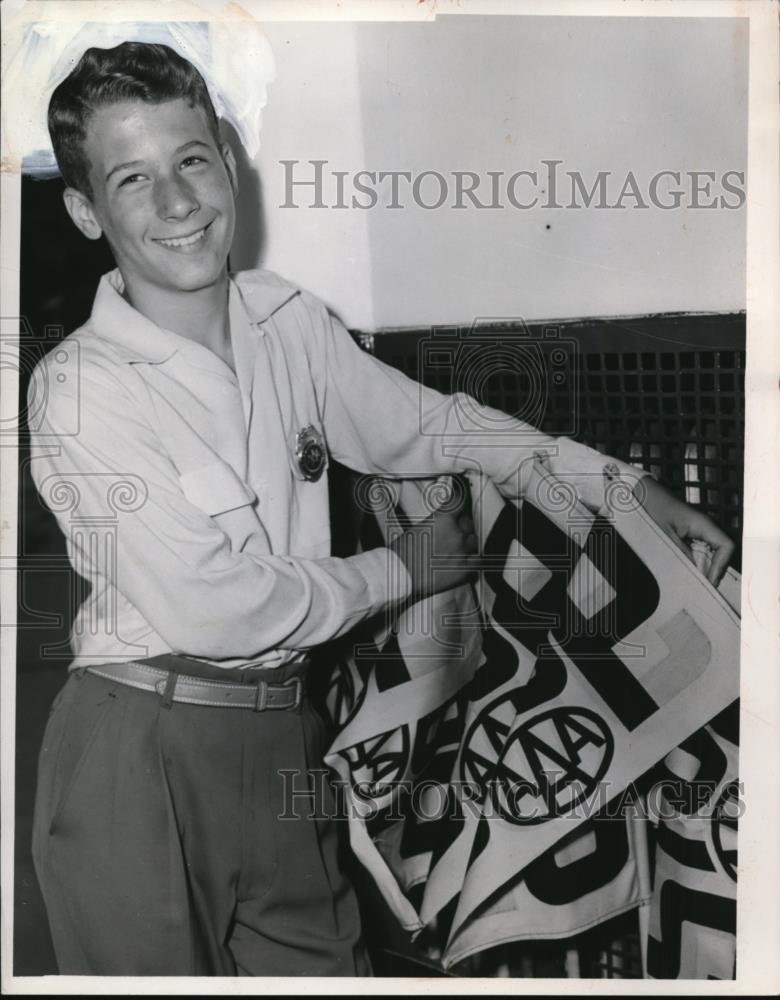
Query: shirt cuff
x=589 y=471
x=387 y=578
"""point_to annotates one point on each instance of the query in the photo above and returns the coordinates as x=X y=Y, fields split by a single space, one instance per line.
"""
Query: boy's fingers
x=721 y=547
x=719 y=564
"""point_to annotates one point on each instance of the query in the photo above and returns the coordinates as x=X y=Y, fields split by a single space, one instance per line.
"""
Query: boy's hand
x=684 y=523
x=439 y=552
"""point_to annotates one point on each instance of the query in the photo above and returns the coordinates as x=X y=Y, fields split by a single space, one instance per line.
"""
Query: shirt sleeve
x=377 y=420
x=110 y=482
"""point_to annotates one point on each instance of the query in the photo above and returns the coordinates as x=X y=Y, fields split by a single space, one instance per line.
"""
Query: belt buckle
x=297 y=683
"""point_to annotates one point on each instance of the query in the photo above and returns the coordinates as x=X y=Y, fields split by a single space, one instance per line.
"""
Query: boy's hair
x=131 y=71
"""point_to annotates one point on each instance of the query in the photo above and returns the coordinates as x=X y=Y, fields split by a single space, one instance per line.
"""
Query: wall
x=313 y=113
x=504 y=94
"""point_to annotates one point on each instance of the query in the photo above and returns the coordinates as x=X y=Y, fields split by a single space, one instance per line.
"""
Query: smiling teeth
x=185 y=241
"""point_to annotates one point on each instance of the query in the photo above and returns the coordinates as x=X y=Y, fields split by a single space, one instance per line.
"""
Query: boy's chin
x=194 y=277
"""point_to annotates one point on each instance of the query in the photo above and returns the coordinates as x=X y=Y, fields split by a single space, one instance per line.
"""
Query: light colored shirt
x=177 y=487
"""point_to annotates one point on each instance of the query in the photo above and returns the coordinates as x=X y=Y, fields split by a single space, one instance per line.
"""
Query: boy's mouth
x=181 y=242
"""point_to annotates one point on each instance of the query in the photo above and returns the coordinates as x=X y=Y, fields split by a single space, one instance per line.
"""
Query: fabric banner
x=483 y=731
x=696 y=803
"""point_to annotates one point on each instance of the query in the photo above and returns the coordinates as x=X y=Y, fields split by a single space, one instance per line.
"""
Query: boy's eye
x=192 y=160
x=131 y=179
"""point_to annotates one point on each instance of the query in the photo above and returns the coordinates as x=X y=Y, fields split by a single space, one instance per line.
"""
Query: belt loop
x=261 y=699
x=297 y=683
x=169 y=690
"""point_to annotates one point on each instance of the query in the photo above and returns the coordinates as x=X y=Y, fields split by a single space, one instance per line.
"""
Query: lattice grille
x=680 y=415
x=677 y=413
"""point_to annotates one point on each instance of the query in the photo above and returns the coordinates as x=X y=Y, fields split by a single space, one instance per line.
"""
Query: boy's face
x=163 y=195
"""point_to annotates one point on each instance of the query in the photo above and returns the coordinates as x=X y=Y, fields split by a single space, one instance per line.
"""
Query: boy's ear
x=230 y=165
x=79 y=208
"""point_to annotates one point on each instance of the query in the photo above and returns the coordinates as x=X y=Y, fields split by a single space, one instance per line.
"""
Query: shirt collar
x=138 y=338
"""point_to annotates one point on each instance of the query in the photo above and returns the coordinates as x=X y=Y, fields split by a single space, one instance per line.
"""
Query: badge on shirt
x=310 y=453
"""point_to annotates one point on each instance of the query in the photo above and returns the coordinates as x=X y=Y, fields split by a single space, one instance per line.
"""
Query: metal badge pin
x=310 y=453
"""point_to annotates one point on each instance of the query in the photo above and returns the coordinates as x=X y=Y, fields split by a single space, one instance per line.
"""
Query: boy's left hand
x=683 y=523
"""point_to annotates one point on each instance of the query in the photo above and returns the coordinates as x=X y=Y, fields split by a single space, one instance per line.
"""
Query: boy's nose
x=175 y=199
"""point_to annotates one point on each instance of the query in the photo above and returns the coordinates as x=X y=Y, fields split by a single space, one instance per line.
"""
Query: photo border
x=758 y=955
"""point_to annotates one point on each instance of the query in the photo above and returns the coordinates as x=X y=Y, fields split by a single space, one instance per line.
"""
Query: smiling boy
x=208 y=406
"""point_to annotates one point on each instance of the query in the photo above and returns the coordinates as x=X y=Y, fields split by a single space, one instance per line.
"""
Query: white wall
x=503 y=94
x=313 y=112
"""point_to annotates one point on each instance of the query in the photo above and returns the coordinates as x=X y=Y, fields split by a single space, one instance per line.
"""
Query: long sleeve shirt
x=177 y=486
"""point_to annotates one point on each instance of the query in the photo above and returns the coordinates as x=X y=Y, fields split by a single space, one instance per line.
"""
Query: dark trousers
x=177 y=841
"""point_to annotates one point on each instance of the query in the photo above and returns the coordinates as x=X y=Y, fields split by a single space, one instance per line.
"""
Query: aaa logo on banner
x=484 y=734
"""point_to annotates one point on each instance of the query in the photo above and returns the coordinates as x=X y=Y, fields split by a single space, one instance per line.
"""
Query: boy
x=197 y=508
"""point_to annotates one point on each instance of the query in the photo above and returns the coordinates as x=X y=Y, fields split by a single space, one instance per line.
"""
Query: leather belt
x=172 y=686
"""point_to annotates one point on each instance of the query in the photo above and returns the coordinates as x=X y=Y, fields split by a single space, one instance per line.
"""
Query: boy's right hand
x=439 y=552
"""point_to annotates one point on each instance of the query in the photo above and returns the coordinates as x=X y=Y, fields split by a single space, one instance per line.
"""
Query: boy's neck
x=201 y=316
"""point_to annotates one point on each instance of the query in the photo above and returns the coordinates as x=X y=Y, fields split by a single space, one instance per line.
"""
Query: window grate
x=678 y=413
